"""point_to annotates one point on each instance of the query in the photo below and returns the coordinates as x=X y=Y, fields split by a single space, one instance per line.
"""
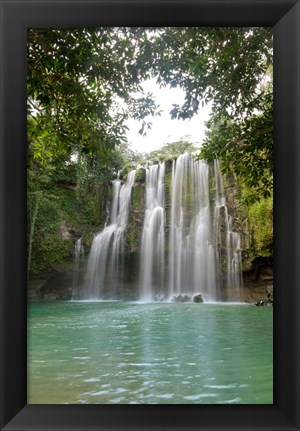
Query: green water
x=166 y=353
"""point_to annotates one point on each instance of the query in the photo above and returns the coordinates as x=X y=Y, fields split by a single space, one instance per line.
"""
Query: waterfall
x=152 y=245
x=187 y=248
x=191 y=254
x=234 y=261
x=78 y=255
x=228 y=243
x=105 y=263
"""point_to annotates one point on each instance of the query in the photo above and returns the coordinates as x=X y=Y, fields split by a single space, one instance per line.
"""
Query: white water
x=200 y=254
x=105 y=259
x=191 y=254
x=152 y=246
x=78 y=255
x=231 y=243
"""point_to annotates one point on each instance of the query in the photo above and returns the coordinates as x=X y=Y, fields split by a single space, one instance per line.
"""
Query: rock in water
x=181 y=298
x=198 y=298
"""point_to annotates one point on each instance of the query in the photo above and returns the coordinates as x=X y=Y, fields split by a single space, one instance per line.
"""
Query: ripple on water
x=231 y=386
x=117 y=400
x=199 y=396
x=155 y=397
x=232 y=401
x=81 y=357
x=96 y=394
x=165 y=396
x=140 y=364
x=92 y=379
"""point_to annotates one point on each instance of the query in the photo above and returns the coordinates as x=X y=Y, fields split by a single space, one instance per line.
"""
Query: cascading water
x=104 y=268
x=152 y=246
x=234 y=262
x=78 y=255
x=191 y=253
x=228 y=243
x=202 y=252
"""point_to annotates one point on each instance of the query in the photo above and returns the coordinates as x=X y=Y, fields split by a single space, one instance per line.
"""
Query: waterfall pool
x=158 y=353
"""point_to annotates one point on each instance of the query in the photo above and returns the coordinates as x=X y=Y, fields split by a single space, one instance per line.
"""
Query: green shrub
x=261 y=223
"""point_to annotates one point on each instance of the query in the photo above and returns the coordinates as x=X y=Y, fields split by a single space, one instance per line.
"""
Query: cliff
x=58 y=282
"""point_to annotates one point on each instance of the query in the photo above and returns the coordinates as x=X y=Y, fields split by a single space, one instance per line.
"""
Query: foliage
x=140 y=175
x=222 y=65
x=78 y=78
x=232 y=69
x=261 y=224
x=75 y=79
x=50 y=248
x=245 y=149
x=33 y=209
x=172 y=150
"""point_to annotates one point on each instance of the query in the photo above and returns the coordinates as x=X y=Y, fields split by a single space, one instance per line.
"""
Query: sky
x=164 y=130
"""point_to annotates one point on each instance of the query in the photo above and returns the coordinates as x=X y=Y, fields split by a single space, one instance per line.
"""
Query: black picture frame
x=284 y=17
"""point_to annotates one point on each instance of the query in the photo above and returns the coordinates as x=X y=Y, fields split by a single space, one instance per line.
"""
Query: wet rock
x=264 y=304
x=268 y=300
x=159 y=298
x=181 y=298
x=34 y=288
x=198 y=298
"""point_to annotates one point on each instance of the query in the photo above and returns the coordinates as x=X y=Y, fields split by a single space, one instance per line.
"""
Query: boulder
x=198 y=298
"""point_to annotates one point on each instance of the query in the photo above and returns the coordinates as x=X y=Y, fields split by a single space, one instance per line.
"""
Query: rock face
x=134 y=228
x=57 y=286
x=261 y=270
x=258 y=280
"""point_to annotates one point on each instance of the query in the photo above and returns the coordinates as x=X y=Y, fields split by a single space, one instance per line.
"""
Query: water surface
x=161 y=353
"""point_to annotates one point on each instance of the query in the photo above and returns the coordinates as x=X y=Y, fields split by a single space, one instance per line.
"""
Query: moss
x=131 y=238
x=133 y=233
x=138 y=197
x=136 y=219
x=168 y=164
x=53 y=245
x=125 y=170
x=140 y=175
x=88 y=240
x=168 y=184
x=50 y=250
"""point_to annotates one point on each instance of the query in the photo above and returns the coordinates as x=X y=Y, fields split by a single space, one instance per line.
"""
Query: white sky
x=165 y=130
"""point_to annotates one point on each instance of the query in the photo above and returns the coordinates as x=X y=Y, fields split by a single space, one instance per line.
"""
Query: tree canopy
x=232 y=69
x=76 y=78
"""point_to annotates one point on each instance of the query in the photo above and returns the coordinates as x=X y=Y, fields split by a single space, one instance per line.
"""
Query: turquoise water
x=163 y=353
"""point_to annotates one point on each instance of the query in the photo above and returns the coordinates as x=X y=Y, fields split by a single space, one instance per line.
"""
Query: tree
x=172 y=150
x=232 y=69
x=75 y=80
x=245 y=148
x=77 y=76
